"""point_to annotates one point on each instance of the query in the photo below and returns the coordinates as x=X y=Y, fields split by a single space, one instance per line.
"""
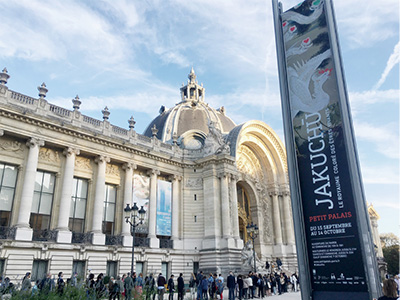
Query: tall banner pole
x=298 y=222
x=333 y=235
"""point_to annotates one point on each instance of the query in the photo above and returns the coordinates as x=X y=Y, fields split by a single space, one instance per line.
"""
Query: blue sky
x=134 y=55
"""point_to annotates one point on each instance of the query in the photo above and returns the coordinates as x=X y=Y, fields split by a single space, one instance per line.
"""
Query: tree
x=389 y=239
x=391 y=251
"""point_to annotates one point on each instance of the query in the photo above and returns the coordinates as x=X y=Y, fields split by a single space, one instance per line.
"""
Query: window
x=79 y=266
x=42 y=200
x=195 y=267
x=78 y=205
x=139 y=267
x=109 y=209
x=8 y=180
x=112 y=269
x=39 y=269
x=2 y=265
x=164 y=269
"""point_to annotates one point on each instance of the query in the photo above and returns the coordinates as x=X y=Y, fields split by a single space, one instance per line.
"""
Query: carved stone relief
x=49 y=155
x=266 y=207
x=83 y=163
x=11 y=146
x=248 y=163
x=194 y=183
x=112 y=170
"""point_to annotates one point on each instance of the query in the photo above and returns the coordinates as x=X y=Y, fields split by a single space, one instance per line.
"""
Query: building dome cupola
x=192 y=91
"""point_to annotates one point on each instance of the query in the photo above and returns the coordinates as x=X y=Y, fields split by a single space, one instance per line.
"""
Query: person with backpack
x=150 y=287
x=171 y=287
x=26 y=282
x=161 y=281
x=204 y=288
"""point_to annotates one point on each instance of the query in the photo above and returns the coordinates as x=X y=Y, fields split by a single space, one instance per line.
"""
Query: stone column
x=276 y=217
x=24 y=232
x=375 y=235
x=154 y=243
x=176 y=199
x=98 y=237
x=64 y=235
x=128 y=189
x=289 y=228
x=225 y=210
x=234 y=213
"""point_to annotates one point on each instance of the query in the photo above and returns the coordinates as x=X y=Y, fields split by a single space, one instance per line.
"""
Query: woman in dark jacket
x=240 y=286
x=171 y=287
x=260 y=285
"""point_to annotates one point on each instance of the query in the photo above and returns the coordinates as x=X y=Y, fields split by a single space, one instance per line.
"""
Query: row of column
x=277 y=216
x=229 y=207
x=24 y=232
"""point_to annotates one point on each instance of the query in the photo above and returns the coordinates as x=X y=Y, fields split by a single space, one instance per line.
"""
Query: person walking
x=90 y=287
x=171 y=287
x=181 y=287
x=231 y=283
x=161 y=286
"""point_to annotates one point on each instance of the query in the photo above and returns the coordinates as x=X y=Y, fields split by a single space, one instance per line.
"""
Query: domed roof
x=188 y=122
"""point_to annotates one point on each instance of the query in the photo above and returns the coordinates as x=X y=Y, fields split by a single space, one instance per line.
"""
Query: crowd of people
x=129 y=286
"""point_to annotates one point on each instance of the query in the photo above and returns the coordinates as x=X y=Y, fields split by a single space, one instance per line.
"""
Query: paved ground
x=285 y=296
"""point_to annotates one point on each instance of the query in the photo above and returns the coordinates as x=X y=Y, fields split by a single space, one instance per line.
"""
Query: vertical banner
x=317 y=123
x=141 y=192
x=164 y=215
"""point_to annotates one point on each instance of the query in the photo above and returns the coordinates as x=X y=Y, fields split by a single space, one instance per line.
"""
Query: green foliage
x=70 y=293
x=391 y=255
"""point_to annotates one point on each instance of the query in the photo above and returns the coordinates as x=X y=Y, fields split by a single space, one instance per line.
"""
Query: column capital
x=33 y=142
x=285 y=190
x=234 y=178
x=129 y=165
x=153 y=172
x=273 y=190
x=69 y=151
x=175 y=177
x=102 y=158
x=223 y=174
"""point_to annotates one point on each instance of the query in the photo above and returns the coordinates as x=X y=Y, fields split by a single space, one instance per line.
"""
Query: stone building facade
x=65 y=179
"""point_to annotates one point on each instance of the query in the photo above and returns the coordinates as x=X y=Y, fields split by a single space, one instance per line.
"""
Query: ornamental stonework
x=194 y=183
x=49 y=155
x=83 y=163
x=11 y=146
x=112 y=170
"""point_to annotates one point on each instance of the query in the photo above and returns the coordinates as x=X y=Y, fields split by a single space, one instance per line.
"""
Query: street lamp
x=252 y=232
x=134 y=216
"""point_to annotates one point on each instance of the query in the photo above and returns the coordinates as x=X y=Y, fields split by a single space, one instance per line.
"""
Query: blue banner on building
x=164 y=215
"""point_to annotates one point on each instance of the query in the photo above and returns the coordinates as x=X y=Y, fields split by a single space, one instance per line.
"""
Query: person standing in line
x=211 y=286
x=90 y=287
x=204 y=288
x=397 y=280
x=128 y=284
x=60 y=283
x=240 y=286
x=199 y=279
x=260 y=284
x=246 y=287
x=171 y=287
x=181 y=287
x=254 y=285
x=389 y=290
x=192 y=286
x=26 y=282
x=220 y=288
x=161 y=281
x=231 y=283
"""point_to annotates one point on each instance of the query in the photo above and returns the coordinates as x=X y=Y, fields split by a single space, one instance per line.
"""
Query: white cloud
x=393 y=60
x=385 y=138
x=380 y=175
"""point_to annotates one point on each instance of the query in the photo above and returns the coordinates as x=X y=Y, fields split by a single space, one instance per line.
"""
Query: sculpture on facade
x=248 y=258
x=215 y=142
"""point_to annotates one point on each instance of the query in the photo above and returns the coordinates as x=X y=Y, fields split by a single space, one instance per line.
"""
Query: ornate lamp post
x=252 y=232
x=134 y=216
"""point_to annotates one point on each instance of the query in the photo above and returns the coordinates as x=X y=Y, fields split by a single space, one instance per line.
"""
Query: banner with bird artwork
x=315 y=111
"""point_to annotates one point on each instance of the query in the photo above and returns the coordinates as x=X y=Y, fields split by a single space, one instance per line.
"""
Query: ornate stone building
x=65 y=179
